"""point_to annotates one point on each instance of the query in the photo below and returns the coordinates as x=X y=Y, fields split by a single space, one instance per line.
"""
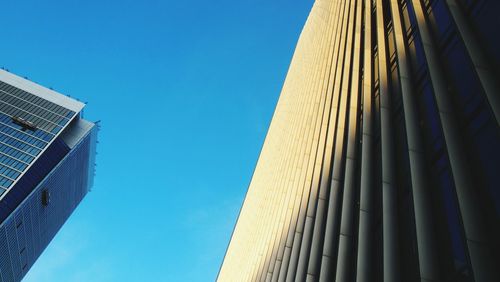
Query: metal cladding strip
x=389 y=197
x=288 y=163
x=486 y=74
x=311 y=151
x=294 y=237
x=269 y=195
x=345 y=261
x=365 y=243
x=278 y=190
x=250 y=205
x=319 y=156
x=320 y=218
x=318 y=231
x=309 y=202
x=327 y=262
x=478 y=244
x=426 y=244
x=315 y=210
x=228 y=268
x=311 y=17
x=286 y=182
x=287 y=157
x=314 y=64
x=314 y=97
x=321 y=172
x=317 y=49
x=292 y=208
x=319 y=118
x=308 y=88
x=277 y=257
x=302 y=188
x=317 y=159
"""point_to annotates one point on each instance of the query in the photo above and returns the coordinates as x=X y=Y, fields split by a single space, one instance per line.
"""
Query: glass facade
x=30 y=228
x=397 y=180
x=47 y=157
x=21 y=144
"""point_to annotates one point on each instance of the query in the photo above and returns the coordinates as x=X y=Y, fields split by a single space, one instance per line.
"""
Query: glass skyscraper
x=47 y=160
x=382 y=159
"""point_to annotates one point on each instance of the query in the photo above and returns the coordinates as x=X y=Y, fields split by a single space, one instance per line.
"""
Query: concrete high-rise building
x=382 y=159
x=47 y=157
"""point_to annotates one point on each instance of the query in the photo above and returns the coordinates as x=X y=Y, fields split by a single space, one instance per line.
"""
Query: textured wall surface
x=30 y=228
x=381 y=161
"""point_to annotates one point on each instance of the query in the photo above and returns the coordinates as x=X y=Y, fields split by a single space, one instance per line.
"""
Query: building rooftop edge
x=41 y=91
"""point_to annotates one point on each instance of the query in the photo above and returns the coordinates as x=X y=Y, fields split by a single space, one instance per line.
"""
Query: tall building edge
x=47 y=166
x=381 y=160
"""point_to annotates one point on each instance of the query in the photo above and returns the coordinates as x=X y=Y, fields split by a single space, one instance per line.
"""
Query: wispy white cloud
x=65 y=258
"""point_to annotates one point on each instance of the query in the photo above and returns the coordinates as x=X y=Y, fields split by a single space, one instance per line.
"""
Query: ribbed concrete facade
x=382 y=159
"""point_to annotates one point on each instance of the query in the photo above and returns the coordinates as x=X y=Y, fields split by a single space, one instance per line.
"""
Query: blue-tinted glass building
x=47 y=159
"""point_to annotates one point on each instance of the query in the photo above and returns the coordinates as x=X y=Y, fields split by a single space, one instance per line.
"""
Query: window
x=45 y=197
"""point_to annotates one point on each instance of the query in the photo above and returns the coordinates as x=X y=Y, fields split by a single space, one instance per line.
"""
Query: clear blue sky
x=185 y=91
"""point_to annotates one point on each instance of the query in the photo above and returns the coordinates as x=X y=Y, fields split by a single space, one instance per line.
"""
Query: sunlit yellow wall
x=310 y=208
